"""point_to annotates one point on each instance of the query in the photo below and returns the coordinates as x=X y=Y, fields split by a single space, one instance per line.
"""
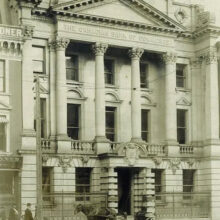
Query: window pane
x=2 y=137
x=6 y=183
x=72 y=68
x=43 y=117
x=38 y=66
x=181 y=118
x=181 y=135
x=110 y=123
x=109 y=71
x=144 y=124
x=180 y=75
x=2 y=76
x=144 y=75
x=188 y=180
x=38 y=59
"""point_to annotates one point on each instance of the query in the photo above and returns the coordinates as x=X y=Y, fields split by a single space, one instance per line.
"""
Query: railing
x=182 y=205
x=155 y=149
x=48 y=146
x=82 y=147
x=186 y=149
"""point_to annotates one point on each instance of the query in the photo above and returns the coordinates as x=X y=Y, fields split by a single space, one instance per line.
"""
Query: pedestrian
x=28 y=213
x=13 y=213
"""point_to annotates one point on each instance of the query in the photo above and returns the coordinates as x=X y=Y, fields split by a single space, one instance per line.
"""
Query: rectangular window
x=144 y=75
x=181 y=75
x=46 y=182
x=110 y=123
x=188 y=182
x=109 y=71
x=6 y=183
x=145 y=124
x=2 y=137
x=73 y=121
x=38 y=60
x=72 y=68
x=83 y=182
x=2 y=76
x=158 y=182
x=181 y=126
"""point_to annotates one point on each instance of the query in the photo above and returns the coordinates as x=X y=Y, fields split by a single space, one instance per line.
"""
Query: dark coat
x=28 y=215
x=13 y=214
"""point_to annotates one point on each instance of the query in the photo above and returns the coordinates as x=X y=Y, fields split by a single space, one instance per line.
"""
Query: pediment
x=131 y=12
x=4 y=106
x=183 y=101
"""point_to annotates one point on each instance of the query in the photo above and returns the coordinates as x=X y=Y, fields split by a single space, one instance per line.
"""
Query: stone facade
x=130 y=35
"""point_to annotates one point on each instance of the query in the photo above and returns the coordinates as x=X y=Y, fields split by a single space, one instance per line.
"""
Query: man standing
x=28 y=213
x=13 y=213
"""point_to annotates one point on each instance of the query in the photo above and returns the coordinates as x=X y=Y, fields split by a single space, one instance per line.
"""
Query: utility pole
x=38 y=151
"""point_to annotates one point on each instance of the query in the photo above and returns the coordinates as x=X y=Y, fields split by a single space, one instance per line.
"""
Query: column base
x=28 y=133
x=102 y=145
x=136 y=140
x=101 y=139
x=63 y=137
x=28 y=140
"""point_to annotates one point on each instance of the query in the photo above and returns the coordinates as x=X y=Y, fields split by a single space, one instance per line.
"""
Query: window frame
x=187 y=193
x=183 y=77
x=115 y=122
x=161 y=185
x=182 y=128
x=43 y=61
x=113 y=63
x=79 y=107
x=3 y=76
x=144 y=85
x=148 y=125
x=68 y=55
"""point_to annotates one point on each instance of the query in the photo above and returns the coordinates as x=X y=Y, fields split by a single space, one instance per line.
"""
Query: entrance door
x=124 y=190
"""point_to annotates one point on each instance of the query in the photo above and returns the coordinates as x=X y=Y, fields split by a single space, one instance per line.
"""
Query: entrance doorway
x=124 y=190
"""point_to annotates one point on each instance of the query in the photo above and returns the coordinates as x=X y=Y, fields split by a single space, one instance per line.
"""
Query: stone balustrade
x=154 y=149
x=82 y=147
x=186 y=149
x=48 y=146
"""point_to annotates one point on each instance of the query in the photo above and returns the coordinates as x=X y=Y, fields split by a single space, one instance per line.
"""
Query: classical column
x=27 y=91
x=170 y=99
x=212 y=96
x=99 y=50
x=61 y=92
x=135 y=54
x=52 y=90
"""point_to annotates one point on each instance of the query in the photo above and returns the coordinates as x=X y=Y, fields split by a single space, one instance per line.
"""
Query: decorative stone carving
x=45 y=158
x=196 y=62
x=85 y=159
x=10 y=161
x=169 y=57
x=181 y=15
x=211 y=56
x=59 y=44
x=174 y=164
x=157 y=161
x=99 y=49
x=10 y=47
x=191 y=162
x=65 y=162
x=136 y=53
x=183 y=101
x=28 y=32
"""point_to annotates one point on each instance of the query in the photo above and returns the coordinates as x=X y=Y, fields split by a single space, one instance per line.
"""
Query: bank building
x=126 y=93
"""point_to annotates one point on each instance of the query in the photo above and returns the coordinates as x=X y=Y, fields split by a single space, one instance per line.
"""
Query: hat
x=28 y=204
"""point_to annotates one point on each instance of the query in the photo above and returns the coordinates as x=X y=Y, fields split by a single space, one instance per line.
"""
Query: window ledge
x=179 y=89
x=5 y=94
x=109 y=86
x=72 y=82
x=146 y=90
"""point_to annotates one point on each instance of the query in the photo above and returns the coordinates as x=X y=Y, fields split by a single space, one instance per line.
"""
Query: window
x=145 y=124
x=109 y=71
x=181 y=126
x=188 y=182
x=73 y=121
x=46 y=182
x=6 y=183
x=83 y=180
x=144 y=75
x=72 y=69
x=2 y=137
x=181 y=75
x=38 y=60
x=158 y=182
x=2 y=76
x=110 y=123
x=43 y=119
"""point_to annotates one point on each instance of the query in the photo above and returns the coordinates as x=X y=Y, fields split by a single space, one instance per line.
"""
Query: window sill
x=72 y=82
x=41 y=75
x=179 y=89
x=146 y=90
x=5 y=94
x=109 y=86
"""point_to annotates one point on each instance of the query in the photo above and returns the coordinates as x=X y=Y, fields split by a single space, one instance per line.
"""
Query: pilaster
x=135 y=55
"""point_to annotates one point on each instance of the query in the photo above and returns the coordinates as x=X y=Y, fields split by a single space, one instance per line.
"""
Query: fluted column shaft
x=99 y=50
x=135 y=54
x=212 y=96
x=61 y=93
x=170 y=99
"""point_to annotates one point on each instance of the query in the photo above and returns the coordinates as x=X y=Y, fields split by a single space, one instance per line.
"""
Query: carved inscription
x=12 y=32
x=116 y=34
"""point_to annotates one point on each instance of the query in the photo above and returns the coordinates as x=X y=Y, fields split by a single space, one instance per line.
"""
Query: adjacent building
x=129 y=107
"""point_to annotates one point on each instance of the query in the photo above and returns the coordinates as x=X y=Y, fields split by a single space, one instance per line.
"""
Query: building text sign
x=115 y=34
x=10 y=31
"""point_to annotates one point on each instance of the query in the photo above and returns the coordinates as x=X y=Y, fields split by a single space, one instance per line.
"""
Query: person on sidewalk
x=13 y=213
x=28 y=214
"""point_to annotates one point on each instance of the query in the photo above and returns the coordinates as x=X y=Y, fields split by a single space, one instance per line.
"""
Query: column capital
x=211 y=56
x=59 y=44
x=99 y=49
x=135 y=53
x=169 y=57
x=28 y=32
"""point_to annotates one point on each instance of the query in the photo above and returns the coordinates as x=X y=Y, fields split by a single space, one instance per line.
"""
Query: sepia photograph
x=109 y=109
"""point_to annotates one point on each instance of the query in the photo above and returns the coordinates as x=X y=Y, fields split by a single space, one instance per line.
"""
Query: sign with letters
x=10 y=31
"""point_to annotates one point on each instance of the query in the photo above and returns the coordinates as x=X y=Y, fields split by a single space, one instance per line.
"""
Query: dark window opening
x=83 y=182
x=181 y=75
x=2 y=76
x=109 y=71
x=158 y=183
x=2 y=137
x=73 y=121
x=110 y=123
x=46 y=182
x=145 y=124
x=144 y=75
x=181 y=126
x=188 y=182
x=72 y=68
x=6 y=182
